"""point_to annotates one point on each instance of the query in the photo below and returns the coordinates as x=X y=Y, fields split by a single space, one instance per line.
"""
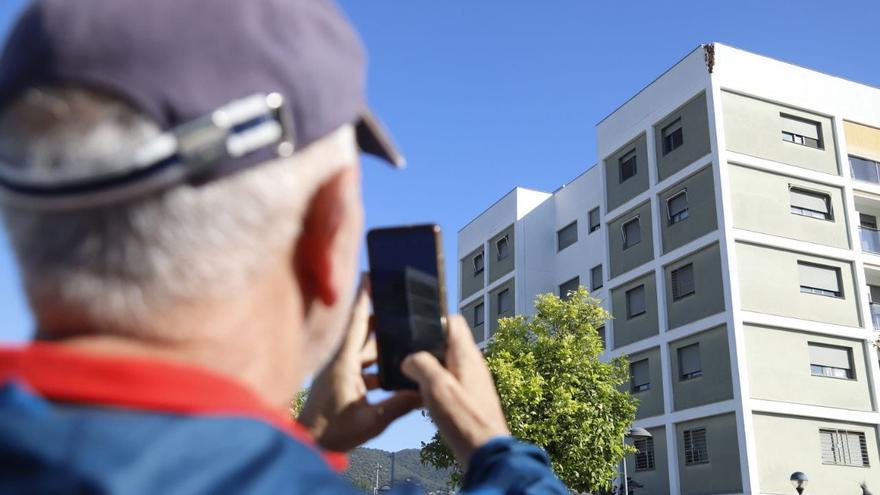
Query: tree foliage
x=297 y=403
x=556 y=393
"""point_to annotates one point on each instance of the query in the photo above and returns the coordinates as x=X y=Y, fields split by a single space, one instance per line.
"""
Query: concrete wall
x=627 y=331
x=754 y=127
x=471 y=282
x=701 y=210
x=770 y=283
x=494 y=315
x=715 y=384
x=617 y=193
x=779 y=369
x=695 y=127
x=762 y=203
x=862 y=140
x=786 y=444
x=655 y=481
x=624 y=260
x=498 y=268
x=477 y=330
x=708 y=296
x=651 y=400
x=722 y=473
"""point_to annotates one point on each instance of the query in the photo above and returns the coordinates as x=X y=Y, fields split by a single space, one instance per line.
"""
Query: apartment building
x=730 y=227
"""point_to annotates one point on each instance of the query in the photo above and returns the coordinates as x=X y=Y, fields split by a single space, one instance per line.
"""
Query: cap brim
x=374 y=140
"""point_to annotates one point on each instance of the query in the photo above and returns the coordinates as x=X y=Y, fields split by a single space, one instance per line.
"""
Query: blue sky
x=486 y=95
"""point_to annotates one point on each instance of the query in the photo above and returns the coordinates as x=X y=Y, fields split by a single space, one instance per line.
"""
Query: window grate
x=645 y=454
x=695 y=449
x=843 y=448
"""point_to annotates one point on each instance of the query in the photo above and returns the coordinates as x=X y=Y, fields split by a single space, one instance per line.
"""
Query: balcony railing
x=863 y=169
x=875 y=315
x=870 y=239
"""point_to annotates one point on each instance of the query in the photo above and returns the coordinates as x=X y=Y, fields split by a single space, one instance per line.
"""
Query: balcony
x=864 y=169
x=870 y=239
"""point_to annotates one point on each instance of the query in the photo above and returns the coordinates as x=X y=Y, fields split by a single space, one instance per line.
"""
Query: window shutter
x=826 y=441
x=504 y=301
x=478 y=314
x=640 y=373
x=802 y=127
x=682 y=281
x=672 y=127
x=689 y=360
x=855 y=443
x=594 y=219
x=596 y=277
x=819 y=277
x=809 y=200
x=566 y=236
x=835 y=357
x=632 y=235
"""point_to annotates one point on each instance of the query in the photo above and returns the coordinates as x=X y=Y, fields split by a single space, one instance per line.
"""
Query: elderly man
x=180 y=182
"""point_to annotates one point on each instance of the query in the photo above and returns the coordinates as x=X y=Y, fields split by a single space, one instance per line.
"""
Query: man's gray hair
x=119 y=266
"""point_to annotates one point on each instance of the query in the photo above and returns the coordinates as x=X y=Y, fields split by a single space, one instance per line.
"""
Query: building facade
x=730 y=227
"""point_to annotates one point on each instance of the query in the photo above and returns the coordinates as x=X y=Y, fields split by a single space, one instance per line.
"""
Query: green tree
x=556 y=393
x=297 y=403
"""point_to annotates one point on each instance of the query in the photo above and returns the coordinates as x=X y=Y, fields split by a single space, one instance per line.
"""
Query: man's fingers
x=359 y=323
x=422 y=368
x=396 y=406
x=371 y=380
x=369 y=353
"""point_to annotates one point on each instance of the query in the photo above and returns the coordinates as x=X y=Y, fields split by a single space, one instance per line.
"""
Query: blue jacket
x=72 y=422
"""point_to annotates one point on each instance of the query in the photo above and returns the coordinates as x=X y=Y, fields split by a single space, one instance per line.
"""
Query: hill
x=362 y=470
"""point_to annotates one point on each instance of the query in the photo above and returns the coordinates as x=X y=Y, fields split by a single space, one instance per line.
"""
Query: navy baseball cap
x=179 y=61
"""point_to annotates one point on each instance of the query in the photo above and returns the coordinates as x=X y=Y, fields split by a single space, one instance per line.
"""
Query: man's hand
x=337 y=412
x=461 y=397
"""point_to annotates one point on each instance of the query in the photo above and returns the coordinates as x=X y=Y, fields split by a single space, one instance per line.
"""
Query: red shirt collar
x=63 y=374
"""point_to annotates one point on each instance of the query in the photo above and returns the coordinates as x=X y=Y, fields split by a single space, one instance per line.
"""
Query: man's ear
x=319 y=257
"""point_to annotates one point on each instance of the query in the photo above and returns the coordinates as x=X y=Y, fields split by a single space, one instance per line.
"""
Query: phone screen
x=407 y=289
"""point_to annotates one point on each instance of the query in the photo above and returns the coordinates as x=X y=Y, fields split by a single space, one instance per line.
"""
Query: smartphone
x=409 y=297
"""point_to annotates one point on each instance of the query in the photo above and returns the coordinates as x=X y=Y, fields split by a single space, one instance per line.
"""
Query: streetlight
x=634 y=433
x=799 y=481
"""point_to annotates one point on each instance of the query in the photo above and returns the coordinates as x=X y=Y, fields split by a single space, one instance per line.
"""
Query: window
x=672 y=136
x=635 y=301
x=504 y=302
x=596 y=277
x=864 y=169
x=845 y=448
x=601 y=332
x=632 y=235
x=682 y=281
x=677 y=207
x=502 y=246
x=830 y=361
x=566 y=236
x=594 y=220
x=645 y=454
x=569 y=286
x=801 y=131
x=810 y=203
x=479 y=315
x=867 y=221
x=819 y=279
x=695 y=448
x=689 y=365
x=627 y=165
x=639 y=376
x=478 y=264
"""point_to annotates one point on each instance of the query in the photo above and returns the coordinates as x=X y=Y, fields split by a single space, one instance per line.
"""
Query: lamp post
x=799 y=481
x=634 y=433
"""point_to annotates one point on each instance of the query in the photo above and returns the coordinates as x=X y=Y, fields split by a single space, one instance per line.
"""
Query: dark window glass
x=673 y=136
x=677 y=207
x=682 y=282
x=627 y=165
x=570 y=286
x=566 y=236
x=502 y=246
x=635 y=301
x=594 y=220
x=596 y=277
x=632 y=234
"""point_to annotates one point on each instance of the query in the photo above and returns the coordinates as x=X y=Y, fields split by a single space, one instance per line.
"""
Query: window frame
x=482 y=267
x=598 y=224
x=672 y=279
x=799 y=138
x=576 y=279
x=647 y=451
x=818 y=291
x=688 y=437
x=621 y=163
x=623 y=232
x=682 y=376
x=629 y=314
x=668 y=140
x=482 y=312
x=498 y=256
x=593 y=278
x=634 y=387
x=499 y=310
x=845 y=457
x=850 y=372
x=807 y=212
x=680 y=216
x=559 y=246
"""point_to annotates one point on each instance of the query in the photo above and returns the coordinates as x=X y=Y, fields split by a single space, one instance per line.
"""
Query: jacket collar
x=62 y=374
